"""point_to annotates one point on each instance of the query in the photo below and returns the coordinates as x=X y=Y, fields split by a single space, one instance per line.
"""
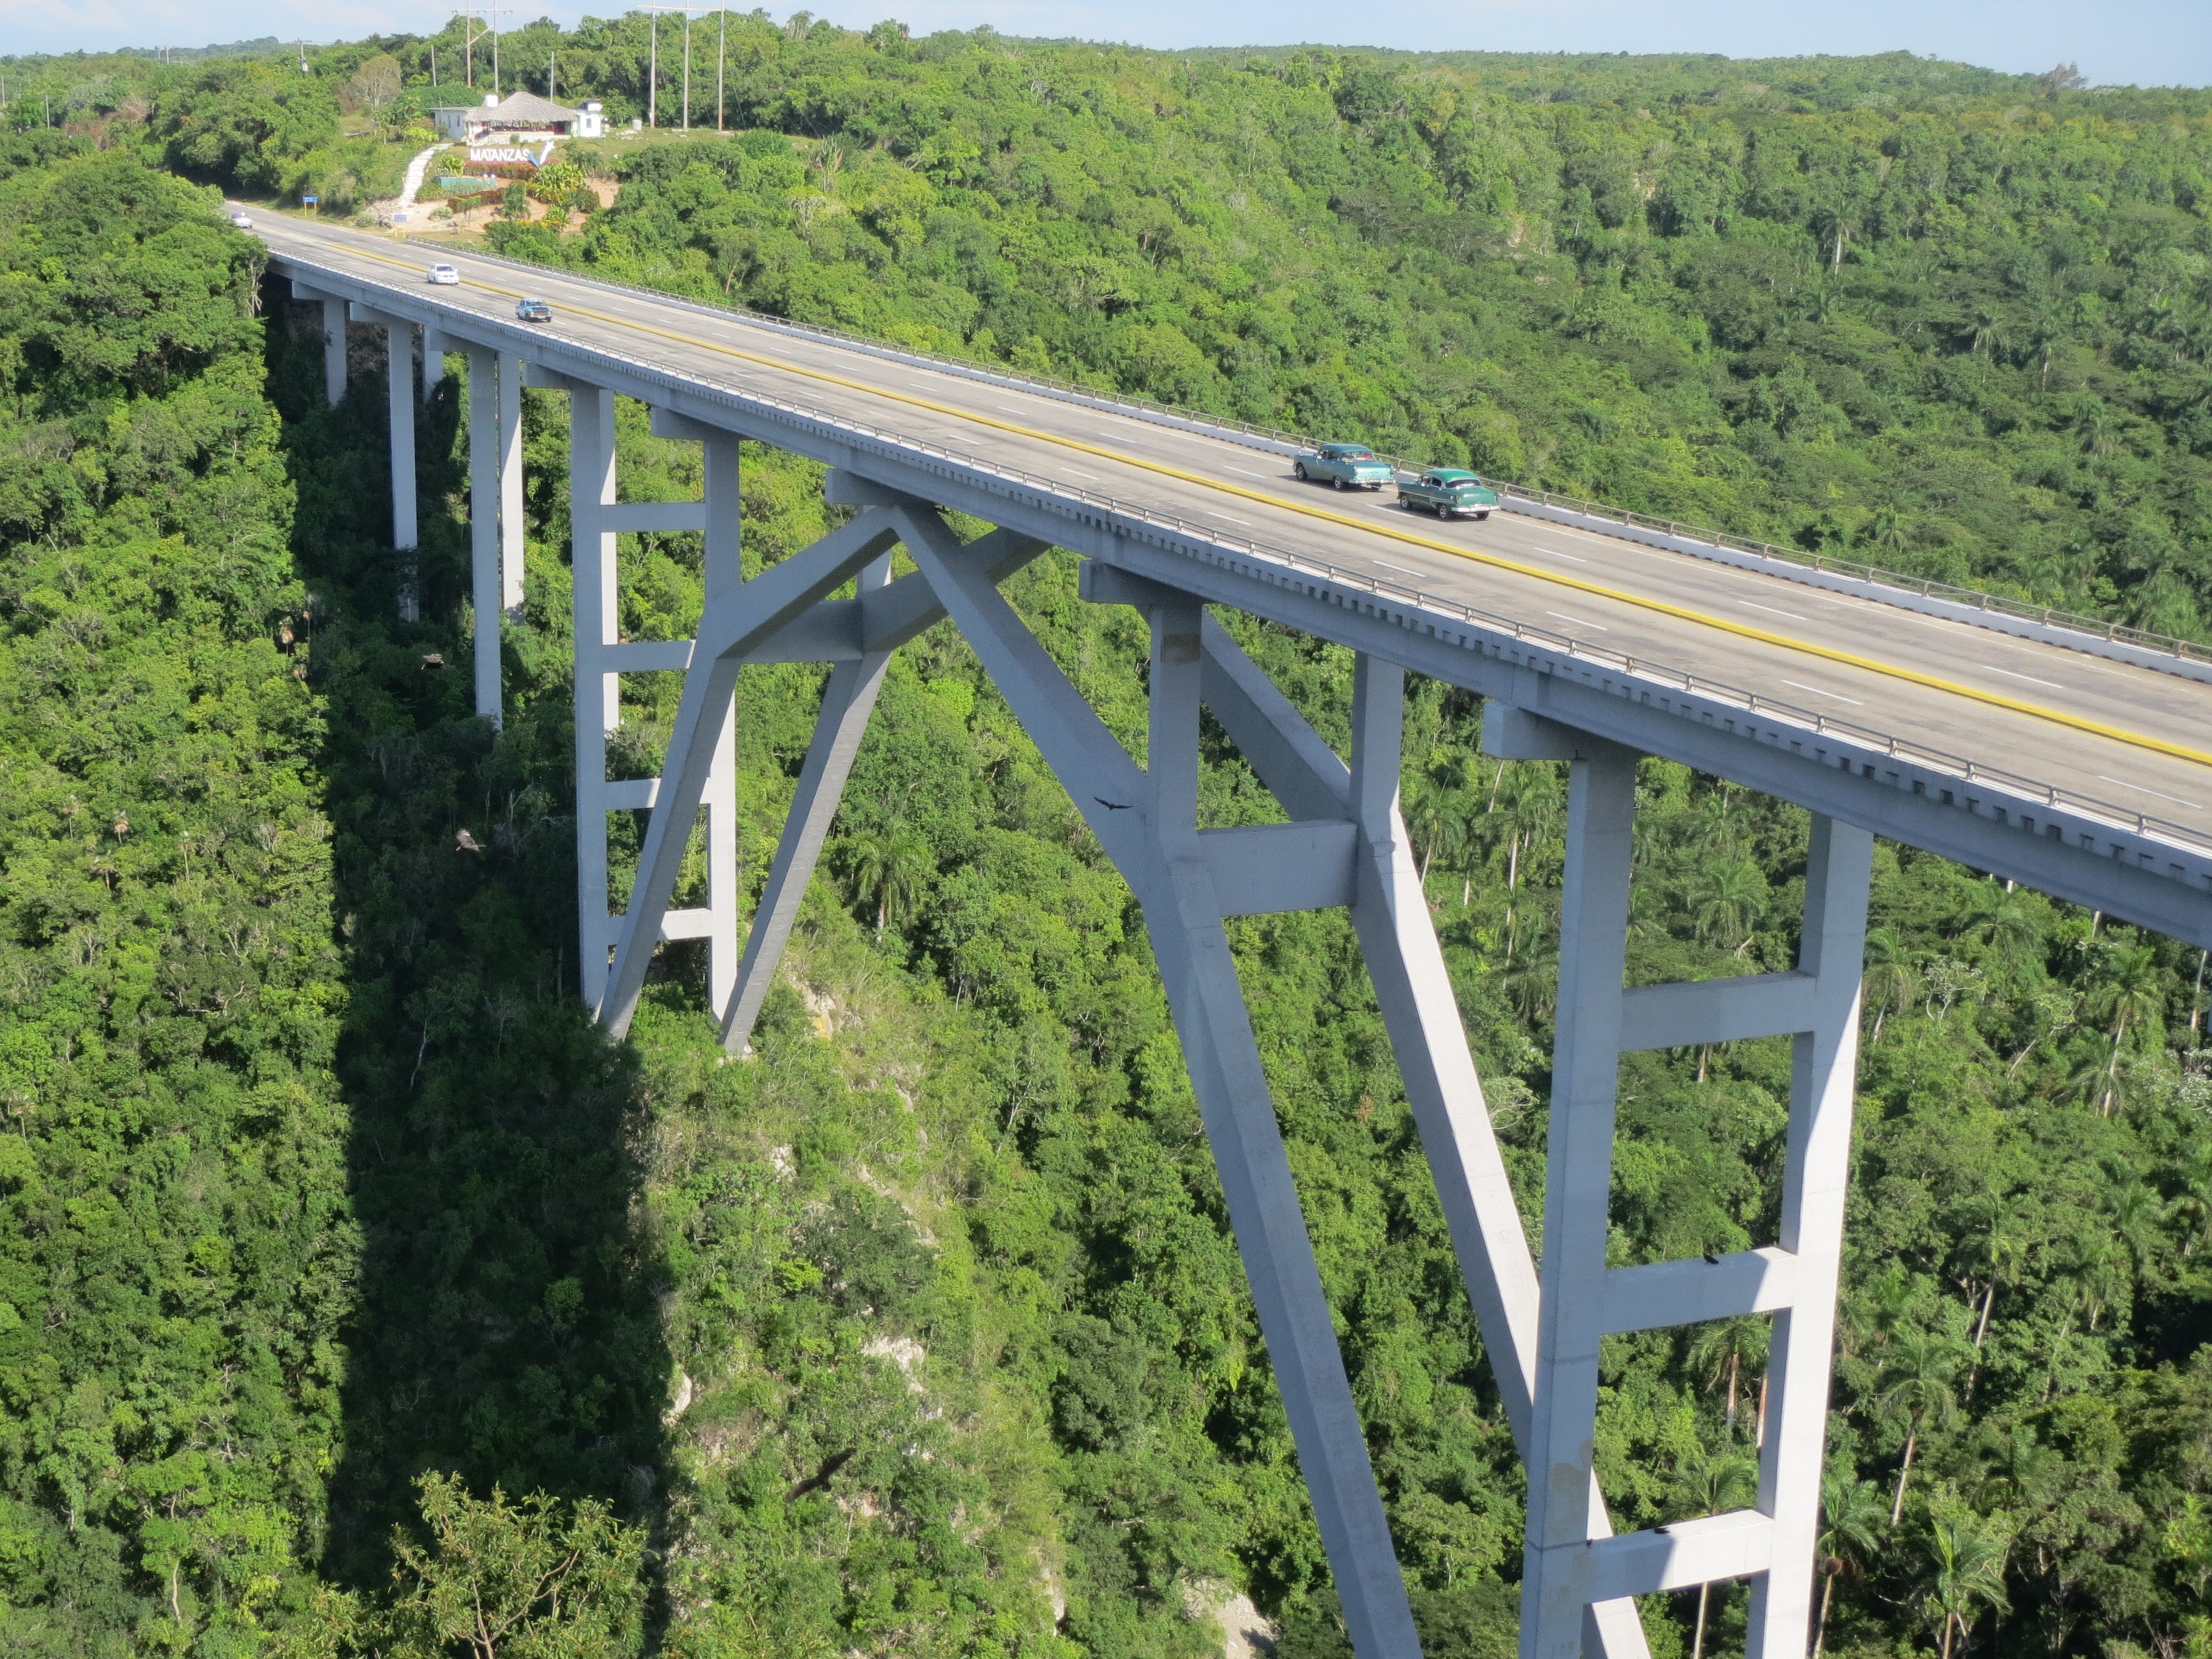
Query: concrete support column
x=399 y=375
x=510 y=483
x=1572 y=1570
x=484 y=527
x=1557 y=1584
x=1171 y=743
x=597 y=691
x=1414 y=992
x=433 y=361
x=732 y=627
x=334 y=351
x=724 y=571
x=1823 y=1074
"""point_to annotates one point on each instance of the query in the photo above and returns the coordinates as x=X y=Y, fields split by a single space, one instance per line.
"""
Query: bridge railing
x=676 y=375
x=1925 y=586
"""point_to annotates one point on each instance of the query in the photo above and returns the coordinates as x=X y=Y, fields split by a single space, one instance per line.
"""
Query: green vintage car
x=1345 y=466
x=1448 y=493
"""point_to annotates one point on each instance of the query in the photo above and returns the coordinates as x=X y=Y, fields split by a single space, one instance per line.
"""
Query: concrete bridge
x=2061 y=753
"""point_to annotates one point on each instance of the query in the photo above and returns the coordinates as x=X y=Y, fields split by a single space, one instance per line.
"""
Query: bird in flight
x=1111 y=805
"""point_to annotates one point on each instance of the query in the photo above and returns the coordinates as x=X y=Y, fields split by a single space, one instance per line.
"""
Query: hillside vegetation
x=347 y=1273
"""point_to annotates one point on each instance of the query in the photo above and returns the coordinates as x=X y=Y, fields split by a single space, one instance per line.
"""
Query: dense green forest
x=348 y=1275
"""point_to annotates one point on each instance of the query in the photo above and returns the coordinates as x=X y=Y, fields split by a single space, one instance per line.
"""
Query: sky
x=2143 y=42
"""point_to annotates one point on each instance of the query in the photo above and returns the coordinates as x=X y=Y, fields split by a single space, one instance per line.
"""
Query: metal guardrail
x=1814 y=720
x=1926 y=588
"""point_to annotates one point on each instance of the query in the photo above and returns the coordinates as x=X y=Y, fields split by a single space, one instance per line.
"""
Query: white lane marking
x=1770 y=611
x=1556 y=554
x=1009 y=409
x=1990 y=668
x=1079 y=472
x=1578 y=621
x=2139 y=789
x=2035 y=647
x=1231 y=517
x=1247 y=473
x=1819 y=691
x=1387 y=565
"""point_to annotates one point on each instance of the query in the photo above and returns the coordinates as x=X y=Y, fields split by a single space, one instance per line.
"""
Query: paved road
x=1853 y=658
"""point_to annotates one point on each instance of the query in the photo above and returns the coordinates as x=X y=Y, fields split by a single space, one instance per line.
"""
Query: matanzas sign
x=510 y=152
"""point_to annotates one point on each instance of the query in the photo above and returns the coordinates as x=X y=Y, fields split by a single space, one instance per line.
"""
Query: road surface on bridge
x=2134 y=738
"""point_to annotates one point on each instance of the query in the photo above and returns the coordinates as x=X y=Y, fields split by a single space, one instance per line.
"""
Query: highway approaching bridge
x=2062 y=755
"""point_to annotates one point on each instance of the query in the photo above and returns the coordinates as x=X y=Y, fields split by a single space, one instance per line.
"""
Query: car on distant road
x=241 y=219
x=1346 y=466
x=445 y=275
x=1448 y=492
x=533 y=310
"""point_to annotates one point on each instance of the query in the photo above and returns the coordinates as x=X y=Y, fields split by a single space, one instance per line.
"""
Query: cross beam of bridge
x=1948 y=772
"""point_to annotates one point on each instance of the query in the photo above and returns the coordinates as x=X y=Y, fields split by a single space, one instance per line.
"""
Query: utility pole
x=552 y=65
x=470 y=35
x=653 y=78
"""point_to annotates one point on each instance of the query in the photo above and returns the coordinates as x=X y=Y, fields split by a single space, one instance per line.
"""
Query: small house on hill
x=518 y=123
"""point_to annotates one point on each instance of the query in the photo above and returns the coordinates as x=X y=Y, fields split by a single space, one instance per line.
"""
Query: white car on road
x=239 y=217
x=446 y=276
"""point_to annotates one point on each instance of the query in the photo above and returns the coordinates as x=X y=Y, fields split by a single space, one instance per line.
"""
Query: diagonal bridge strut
x=1345 y=845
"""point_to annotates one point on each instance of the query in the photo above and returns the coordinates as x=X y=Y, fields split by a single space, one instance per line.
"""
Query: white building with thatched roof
x=519 y=123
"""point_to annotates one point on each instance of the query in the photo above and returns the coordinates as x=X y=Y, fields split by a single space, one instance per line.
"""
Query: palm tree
x=2094 y=426
x=2130 y=992
x=1889 y=978
x=1989 y=331
x=2137 y=1212
x=2090 y=1272
x=1527 y=806
x=1721 y=1349
x=1836 y=229
x=2195 y=1198
x=1728 y=899
x=1996 y=1251
x=1434 y=807
x=2007 y=920
x=1706 y=1483
x=1724 y=819
x=1886 y=529
x=1524 y=809
x=1968 y=1556
x=1918 y=1375
x=888 y=866
x=1852 y=1512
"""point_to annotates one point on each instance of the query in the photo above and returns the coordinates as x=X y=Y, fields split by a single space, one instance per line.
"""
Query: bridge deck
x=2132 y=737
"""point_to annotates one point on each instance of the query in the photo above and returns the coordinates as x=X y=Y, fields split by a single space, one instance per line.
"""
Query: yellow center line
x=1473 y=555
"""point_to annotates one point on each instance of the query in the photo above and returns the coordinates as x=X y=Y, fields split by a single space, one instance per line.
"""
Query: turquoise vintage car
x=1346 y=466
x=1448 y=493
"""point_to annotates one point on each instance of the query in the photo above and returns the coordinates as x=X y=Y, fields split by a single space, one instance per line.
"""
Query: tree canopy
x=352 y=1285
